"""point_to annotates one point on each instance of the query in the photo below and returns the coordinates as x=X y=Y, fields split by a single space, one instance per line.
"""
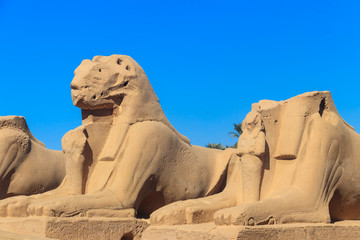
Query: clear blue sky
x=206 y=60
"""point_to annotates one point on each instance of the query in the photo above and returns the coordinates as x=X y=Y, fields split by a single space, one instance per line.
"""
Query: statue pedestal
x=348 y=230
x=75 y=228
x=97 y=228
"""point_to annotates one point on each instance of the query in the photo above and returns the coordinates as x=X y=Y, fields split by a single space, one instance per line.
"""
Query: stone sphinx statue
x=299 y=162
x=26 y=166
x=125 y=154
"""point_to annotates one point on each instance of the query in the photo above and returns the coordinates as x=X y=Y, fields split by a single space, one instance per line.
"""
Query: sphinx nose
x=81 y=80
x=77 y=84
x=74 y=86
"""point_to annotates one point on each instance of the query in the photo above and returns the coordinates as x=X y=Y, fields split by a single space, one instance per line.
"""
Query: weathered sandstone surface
x=127 y=173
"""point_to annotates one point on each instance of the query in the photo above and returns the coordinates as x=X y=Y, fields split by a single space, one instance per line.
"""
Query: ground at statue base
x=74 y=228
x=17 y=236
x=348 y=230
x=131 y=228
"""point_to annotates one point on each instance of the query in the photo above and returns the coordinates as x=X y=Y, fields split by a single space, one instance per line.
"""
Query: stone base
x=98 y=228
x=75 y=228
x=348 y=230
x=17 y=236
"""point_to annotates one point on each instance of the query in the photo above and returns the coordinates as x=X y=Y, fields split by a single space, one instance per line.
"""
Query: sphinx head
x=104 y=82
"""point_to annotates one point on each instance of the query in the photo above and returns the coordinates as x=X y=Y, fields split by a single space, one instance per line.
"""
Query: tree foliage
x=215 y=145
x=236 y=133
x=238 y=130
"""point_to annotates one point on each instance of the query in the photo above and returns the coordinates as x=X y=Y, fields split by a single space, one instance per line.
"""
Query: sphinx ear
x=83 y=65
x=98 y=59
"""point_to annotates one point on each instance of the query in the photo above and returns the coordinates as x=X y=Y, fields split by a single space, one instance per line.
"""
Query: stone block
x=75 y=228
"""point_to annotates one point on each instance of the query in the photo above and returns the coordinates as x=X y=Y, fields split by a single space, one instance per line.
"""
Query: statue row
x=296 y=161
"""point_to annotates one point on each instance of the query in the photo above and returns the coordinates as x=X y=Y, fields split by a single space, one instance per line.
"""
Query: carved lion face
x=102 y=82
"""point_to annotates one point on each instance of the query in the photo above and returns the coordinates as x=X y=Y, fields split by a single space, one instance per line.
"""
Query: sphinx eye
x=99 y=69
x=119 y=61
x=127 y=67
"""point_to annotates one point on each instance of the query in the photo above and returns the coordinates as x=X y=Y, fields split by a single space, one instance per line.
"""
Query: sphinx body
x=26 y=166
x=299 y=162
x=125 y=154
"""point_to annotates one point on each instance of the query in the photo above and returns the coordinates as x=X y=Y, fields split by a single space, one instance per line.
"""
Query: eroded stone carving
x=297 y=160
x=26 y=166
x=298 y=157
x=125 y=154
x=251 y=149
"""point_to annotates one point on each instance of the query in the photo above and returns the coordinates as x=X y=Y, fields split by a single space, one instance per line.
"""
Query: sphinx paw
x=12 y=206
x=17 y=208
x=171 y=214
x=249 y=214
x=224 y=216
x=50 y=209
x=35 y=209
